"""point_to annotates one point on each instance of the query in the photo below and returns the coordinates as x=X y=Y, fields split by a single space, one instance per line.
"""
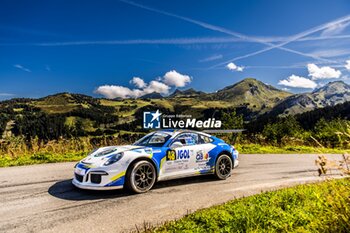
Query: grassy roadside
x=321 y=207
x=259 y=149
x=38 y=158
x=46 y=157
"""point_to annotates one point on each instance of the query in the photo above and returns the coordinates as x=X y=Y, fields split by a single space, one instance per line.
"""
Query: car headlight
x=113 y=159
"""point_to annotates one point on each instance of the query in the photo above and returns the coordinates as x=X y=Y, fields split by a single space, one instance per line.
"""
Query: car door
x=203 y=161
x=180 y=157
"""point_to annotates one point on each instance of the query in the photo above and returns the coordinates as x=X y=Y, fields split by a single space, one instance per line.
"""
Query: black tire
x=223 y=167
x=141 y=177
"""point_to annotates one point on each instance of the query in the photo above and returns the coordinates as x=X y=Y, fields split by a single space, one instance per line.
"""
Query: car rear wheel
x=141 y=177
x=223 y=167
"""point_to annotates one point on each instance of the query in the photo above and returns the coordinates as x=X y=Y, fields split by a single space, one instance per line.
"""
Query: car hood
x=101 y=155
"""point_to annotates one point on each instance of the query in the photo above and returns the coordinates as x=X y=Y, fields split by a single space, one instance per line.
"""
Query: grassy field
x=267 y=149
x=321 y=207
x=38 y=158
x=75 y=155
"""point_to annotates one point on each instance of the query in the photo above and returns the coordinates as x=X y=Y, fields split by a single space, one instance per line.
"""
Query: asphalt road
x=40 y=198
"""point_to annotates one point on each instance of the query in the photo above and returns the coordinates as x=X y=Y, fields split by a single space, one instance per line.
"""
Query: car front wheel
x=223 y=167
x=141 y=177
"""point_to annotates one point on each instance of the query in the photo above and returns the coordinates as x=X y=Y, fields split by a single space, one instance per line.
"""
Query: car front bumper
x=80 y=185
x=236 y=163
x=99 y=178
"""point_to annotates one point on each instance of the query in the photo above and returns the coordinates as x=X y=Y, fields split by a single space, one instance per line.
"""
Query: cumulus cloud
x=156 y=86
x=297 y=81
x=138 y=82
x=347 y=65
x=324 y=72
x=240 y=68
x=233 y=66
x=173 y=78
x=161 y=85
x=112 y=91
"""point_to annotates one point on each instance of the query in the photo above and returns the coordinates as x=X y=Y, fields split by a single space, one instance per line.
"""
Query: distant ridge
x=251 y=92
x=186 y=93
x=153 y=95
x=330 y=94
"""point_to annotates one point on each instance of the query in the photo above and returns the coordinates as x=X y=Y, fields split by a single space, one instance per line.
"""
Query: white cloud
x=240 y=68
x=335 y=29
x=324 y=72
x=297 y=81
x=233 y=66
x=6 y=94
x=112 y=91
x=156 y=86
x=173 y=78
x=347 y=65
x=138 y=82
x=22 y=68
x=329 y=53
x=159 y=85
x=211 y=58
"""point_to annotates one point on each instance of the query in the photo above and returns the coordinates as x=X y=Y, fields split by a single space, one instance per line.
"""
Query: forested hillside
x=72 y=118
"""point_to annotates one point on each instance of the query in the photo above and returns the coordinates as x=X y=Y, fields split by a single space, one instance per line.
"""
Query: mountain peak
x=251 y=83
x=185 y=93
x=252 y=92
x=331 y=94
x=153 y=95
x=335 y=87
x=176 y=92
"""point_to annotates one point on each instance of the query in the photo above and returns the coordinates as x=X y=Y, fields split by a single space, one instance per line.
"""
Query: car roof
x=178 y=131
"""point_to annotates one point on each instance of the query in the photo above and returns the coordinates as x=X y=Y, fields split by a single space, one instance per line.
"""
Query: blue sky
x=130 y=48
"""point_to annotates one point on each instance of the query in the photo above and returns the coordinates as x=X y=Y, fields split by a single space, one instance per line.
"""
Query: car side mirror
x=176 y=145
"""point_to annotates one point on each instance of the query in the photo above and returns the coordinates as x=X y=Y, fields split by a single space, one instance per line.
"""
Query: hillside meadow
x=66 y=126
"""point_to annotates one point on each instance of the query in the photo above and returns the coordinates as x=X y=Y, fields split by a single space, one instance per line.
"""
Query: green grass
x=264 y=149
x=321 y=207
x=46 y=157
x=38 y=158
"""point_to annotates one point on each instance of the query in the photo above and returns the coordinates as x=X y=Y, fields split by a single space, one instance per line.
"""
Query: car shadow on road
x=66 y=190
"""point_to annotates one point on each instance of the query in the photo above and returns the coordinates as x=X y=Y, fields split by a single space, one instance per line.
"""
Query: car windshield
x=157 y=139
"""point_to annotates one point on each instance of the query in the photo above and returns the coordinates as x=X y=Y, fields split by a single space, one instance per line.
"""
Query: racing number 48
x=170 y=155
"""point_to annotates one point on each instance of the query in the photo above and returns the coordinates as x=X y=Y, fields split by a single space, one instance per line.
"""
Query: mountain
x=256 y=101
x=330 y=94
x=252 y=93
x=186 y=93
x=153 y=95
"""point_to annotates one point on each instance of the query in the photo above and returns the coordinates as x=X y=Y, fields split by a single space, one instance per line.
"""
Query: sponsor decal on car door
x=201 y=160
x=177 y=161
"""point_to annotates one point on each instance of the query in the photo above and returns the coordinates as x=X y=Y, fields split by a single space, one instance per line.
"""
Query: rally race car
x=160 y=155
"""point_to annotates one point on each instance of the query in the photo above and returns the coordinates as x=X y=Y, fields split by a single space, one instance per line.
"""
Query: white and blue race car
x=160 y=155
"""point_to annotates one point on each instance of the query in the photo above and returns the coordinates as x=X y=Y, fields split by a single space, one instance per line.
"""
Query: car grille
x=79 y=177
x=95 y=178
